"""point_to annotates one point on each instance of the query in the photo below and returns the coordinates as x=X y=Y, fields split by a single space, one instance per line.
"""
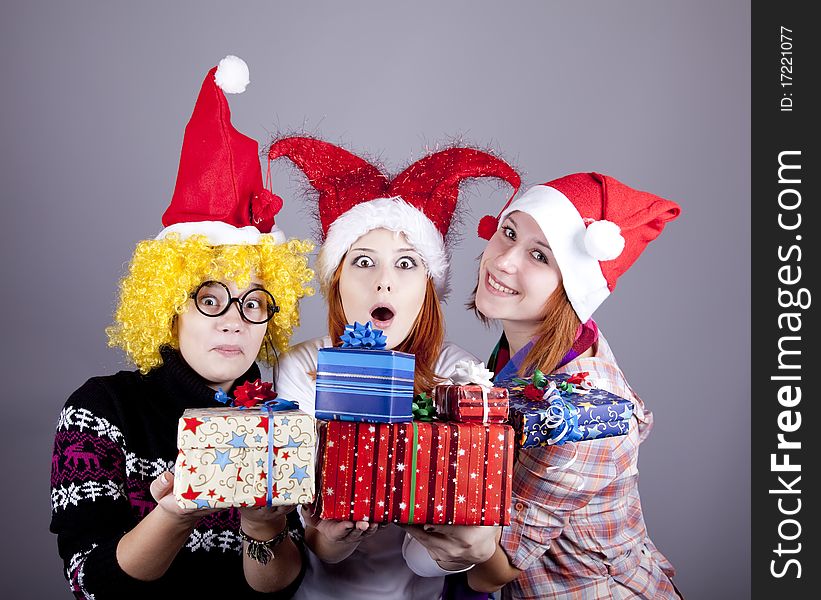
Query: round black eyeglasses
x=213 y=298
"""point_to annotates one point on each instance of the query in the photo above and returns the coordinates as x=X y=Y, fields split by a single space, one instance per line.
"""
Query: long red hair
x=555 y=334
x=424 y=340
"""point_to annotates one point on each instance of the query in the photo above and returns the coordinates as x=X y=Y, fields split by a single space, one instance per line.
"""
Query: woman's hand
x=346 y=531
x=456 y=547
x=339 y=531
x=334 y=541
x=264 y=522
x=162 y=490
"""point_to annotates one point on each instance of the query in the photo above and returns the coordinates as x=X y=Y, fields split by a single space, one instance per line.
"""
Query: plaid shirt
x=577 y=529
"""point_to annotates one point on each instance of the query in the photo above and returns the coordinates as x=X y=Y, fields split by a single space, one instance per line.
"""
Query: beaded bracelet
x=260 y=551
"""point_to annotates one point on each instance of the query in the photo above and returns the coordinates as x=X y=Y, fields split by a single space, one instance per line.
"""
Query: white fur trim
x=393 y=214
x=603 y=240
x=220 y=233
x=564 y=229
x=232 y=75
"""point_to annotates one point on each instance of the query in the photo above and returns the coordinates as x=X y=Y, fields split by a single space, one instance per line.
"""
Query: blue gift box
x=569 y=417
x=374 y=386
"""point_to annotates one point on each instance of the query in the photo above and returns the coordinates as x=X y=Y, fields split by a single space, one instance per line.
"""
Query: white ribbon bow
x=466 y=372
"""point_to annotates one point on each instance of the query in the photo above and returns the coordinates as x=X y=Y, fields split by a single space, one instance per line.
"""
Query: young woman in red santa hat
x=384 y=260
x=119 y=529
x=554 y=254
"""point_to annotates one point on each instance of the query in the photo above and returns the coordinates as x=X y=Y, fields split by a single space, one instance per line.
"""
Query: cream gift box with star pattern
x=244 y=457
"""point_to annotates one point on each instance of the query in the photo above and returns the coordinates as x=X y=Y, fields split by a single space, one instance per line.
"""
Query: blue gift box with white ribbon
x=567 y=413
x=361 y=382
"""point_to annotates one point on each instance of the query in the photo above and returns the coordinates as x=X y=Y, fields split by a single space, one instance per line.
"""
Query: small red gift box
x=441 y=473
x=471 y=403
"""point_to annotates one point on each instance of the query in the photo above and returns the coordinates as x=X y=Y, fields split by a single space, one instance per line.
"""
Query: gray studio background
x=96 y=96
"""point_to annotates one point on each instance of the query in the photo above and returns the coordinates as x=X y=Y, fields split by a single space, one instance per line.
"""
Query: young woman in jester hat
x=217 y=289
x=384 y=260
x=553 y=256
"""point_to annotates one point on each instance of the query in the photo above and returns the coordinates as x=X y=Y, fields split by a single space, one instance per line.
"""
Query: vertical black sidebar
x=786 y=433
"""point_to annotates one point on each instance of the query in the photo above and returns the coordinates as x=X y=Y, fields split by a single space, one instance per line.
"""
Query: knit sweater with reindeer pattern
x=115 y=435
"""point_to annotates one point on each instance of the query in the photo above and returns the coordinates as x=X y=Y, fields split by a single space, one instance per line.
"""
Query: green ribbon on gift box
x=415 y=449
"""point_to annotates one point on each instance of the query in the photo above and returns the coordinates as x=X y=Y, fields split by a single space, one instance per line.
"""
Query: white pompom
x=232 y=75
x=603 y=240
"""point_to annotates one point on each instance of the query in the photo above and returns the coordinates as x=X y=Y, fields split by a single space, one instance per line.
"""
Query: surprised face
x=223 y=347
x=383 y=280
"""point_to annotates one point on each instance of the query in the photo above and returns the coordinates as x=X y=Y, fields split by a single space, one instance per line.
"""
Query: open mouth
x=382 y=314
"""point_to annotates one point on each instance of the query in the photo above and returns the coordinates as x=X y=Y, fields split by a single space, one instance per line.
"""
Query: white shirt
x=377 y=569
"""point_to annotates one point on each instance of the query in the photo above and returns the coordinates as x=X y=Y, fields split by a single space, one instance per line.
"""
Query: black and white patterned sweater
x=115 y=435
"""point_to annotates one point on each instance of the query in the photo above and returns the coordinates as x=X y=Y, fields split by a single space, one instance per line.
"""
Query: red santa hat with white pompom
x=219 y=191
x=596 y=227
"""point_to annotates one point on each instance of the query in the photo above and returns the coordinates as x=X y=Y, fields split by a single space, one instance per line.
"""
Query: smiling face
x=383 y=280
x=222 y=348
x=517 y=273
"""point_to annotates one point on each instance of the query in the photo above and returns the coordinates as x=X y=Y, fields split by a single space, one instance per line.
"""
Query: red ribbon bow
x=252 y=393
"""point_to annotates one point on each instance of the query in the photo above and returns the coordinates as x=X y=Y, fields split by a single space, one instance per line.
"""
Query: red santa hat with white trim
x=596 y=227
x=356 y=197
x=219 y=191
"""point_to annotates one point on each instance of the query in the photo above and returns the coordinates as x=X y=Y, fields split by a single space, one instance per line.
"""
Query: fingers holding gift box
x=244 y=457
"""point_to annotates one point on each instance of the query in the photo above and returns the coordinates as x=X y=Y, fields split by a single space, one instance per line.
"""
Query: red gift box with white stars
x=471 y=403
x=244 y=457
x=416 y=472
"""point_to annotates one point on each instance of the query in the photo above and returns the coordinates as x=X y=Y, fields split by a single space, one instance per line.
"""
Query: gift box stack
x=379 y=465
x=554 y=409
x=248 y=454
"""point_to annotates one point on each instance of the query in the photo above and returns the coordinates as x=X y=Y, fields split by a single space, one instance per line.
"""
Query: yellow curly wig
x=164 y=272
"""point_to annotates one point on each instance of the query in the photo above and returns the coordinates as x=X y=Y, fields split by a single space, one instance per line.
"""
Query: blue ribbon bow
x=563 y=419
x=363 y=337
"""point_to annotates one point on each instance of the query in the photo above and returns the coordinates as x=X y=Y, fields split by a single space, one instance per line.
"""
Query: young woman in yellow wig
x=216 y=290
